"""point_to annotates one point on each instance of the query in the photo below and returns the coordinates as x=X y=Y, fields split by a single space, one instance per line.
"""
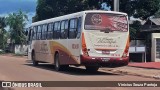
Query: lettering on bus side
x=106 y=40
x=75 y=46
x=43 y=47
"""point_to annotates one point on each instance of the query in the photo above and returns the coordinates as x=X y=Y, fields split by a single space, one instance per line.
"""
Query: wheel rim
x=57 y=63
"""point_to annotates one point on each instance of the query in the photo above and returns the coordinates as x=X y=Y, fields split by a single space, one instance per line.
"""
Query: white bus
x=92 y=38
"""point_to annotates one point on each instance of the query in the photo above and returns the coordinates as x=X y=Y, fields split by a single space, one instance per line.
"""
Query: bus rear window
x=103 y=21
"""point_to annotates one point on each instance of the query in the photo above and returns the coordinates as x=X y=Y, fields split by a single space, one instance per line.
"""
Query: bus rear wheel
x=35 y=63
x=92 y=68
x=59 y=67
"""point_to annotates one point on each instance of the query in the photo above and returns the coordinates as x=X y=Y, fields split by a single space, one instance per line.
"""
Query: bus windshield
x=104 y=21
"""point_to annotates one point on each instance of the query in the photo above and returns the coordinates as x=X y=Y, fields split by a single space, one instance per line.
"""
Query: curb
x=132 y=73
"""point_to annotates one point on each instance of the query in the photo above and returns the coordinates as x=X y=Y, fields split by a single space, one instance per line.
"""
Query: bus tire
x=92 y=68
x=59 y=67
x=35 y=63
x=56 y=61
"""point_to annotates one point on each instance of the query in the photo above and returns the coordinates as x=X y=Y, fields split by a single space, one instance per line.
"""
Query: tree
x=157 y=14
x=135 y=30
x=17 y=22
x=132 y=33
x=3 y=37
x=52 y=8
x=142 y=9
x=146 y=8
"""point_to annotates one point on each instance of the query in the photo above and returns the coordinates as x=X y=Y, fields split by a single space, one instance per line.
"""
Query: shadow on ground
x=71 y=70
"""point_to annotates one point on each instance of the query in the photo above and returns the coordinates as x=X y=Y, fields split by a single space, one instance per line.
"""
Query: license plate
x=105 y=52
x=105 y=59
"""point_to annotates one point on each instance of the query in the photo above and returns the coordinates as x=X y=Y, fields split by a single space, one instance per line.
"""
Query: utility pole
x=116 y=5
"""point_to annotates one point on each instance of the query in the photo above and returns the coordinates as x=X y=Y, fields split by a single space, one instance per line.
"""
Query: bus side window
x=49 y=32
x=79 y=27
x=43 y=29
x=62 y=34
x=44 y=32
x=66 y=29
x=73 y=28
x=56 y=30
x=34 y=34
x=53 y=30
x=39 y=33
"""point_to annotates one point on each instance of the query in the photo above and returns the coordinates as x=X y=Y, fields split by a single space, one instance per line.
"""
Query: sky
x=10 y=6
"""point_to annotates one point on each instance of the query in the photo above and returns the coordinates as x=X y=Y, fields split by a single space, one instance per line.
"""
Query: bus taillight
x=126 y=48
x=84 y=47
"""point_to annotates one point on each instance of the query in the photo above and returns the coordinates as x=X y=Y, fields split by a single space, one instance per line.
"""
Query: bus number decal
x=75 y=46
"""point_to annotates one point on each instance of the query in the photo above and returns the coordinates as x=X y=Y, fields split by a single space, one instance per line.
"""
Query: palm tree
x=17 y=22
x=2 y=32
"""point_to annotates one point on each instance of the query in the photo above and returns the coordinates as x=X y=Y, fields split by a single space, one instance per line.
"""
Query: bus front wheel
x=35 y=63
x=92 y=68
x=56 y=61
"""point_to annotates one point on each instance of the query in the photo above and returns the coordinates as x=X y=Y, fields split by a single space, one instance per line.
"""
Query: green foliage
x=17 y=22
x=135 y=30
x=3 y=33
x=146 y=8
x=157 y=14
x=132 y=33
x=52 y=8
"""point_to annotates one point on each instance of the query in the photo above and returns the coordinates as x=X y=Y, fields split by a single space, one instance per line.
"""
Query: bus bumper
x=104 y=61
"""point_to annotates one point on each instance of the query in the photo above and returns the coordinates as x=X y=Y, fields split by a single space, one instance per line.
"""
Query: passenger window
x=79 y=27
x=39 y=33
x=64 y=29
x=34 y=33
x=50 y=32
x=45 y=31
x=73 y=28
x=56 y=30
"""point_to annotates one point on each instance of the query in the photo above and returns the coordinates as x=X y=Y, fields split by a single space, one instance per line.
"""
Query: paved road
x=20 y=69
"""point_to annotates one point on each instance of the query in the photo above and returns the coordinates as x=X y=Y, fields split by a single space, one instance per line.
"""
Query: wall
x=21 y=49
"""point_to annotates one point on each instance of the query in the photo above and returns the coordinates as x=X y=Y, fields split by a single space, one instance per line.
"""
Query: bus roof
x=74 y=15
